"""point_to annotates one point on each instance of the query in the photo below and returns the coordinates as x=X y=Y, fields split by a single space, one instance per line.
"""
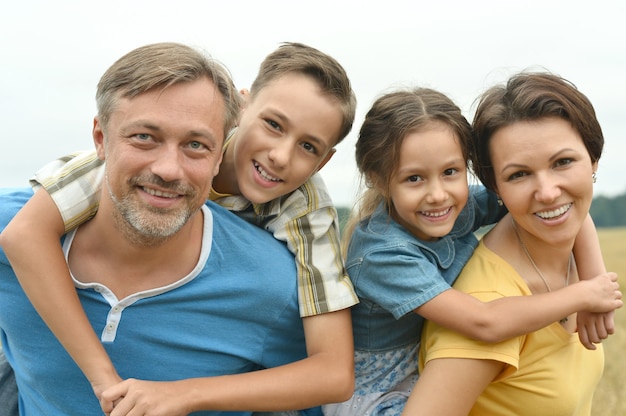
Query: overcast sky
x=54 y=52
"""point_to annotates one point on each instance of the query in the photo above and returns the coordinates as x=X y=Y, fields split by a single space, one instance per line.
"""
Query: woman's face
x=543 y=174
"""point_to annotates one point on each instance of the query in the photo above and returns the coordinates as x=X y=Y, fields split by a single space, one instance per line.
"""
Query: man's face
x=162 y=150
x=286 y=133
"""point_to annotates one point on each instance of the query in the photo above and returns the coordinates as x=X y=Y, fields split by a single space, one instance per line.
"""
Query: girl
x=410 y=240
x=538 y=144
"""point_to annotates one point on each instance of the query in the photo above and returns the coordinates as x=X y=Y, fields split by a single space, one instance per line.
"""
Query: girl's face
x=543 y=174
x=429 y=187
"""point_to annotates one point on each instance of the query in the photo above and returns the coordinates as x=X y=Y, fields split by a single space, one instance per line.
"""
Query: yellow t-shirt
x=548 y=372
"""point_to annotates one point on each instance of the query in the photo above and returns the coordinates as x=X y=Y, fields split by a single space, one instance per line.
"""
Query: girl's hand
x=594 y=327
x=604 y=293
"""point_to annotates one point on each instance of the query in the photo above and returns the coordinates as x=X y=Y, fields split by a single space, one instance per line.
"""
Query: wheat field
x=610 y=397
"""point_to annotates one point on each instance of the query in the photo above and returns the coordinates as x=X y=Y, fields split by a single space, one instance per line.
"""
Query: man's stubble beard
x=149 y=226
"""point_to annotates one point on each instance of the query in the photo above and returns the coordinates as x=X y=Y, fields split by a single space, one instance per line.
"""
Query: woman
x=538 y=143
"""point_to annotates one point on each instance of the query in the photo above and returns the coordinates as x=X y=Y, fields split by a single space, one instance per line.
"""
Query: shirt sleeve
x=74 y=182
x=313 y=238
x=399 y=277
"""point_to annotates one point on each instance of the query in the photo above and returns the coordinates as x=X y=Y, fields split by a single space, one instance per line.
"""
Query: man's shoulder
x=11 y=201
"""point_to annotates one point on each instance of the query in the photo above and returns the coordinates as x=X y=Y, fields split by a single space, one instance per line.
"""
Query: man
x=177 y=289
x=8 y=390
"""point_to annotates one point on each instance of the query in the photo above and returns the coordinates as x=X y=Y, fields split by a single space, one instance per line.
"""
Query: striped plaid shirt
x=305 y=219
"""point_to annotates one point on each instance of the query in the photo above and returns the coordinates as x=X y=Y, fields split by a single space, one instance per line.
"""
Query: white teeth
x=436 y=214
x=264 y=174
x=546 y=215
x=159 y=193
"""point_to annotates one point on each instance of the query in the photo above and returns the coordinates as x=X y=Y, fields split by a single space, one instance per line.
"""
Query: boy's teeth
x=554 y=213
x=264 y=174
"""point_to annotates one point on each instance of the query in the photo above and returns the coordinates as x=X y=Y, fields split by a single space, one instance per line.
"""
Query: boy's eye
x=274 y=125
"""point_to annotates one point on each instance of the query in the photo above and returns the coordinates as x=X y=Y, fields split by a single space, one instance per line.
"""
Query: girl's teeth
x=436 y=214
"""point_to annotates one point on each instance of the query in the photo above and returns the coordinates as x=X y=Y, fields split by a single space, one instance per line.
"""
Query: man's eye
x=143 y=136
x=196 y=145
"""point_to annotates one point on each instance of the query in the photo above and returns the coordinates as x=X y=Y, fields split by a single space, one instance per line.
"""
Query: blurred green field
x=610 y=397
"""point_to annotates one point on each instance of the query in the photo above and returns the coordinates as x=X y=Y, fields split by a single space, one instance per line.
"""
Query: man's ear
x=330 y=154
x=98 y=138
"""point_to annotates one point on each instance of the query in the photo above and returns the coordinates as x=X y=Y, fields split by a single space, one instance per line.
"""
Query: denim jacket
x=394 y=272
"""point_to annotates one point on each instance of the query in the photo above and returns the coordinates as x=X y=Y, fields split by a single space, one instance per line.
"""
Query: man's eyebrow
x=144 y=124
x=141 y=124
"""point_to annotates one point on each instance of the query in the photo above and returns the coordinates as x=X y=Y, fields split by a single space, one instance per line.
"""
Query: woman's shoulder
x=486 y=271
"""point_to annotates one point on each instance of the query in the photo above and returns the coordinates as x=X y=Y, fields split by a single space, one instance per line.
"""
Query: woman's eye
x=517 y=175
x=564 y=162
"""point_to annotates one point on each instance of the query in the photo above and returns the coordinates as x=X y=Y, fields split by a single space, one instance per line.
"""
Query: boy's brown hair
x=322 y=68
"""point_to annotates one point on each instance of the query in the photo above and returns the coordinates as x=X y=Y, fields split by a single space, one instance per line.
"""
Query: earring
x=594 y=177
x=500 y=203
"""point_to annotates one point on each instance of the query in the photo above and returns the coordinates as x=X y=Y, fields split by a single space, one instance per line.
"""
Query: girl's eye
x=414 y=178
x=450 y=172
x=309 y=147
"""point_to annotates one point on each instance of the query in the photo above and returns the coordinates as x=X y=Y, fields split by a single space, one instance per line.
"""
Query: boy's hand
x=99 y=386
x=140 y=397
x=104 y=381
x=594 y=327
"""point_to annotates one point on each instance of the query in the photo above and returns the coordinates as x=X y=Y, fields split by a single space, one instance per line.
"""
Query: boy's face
x=286 y=133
